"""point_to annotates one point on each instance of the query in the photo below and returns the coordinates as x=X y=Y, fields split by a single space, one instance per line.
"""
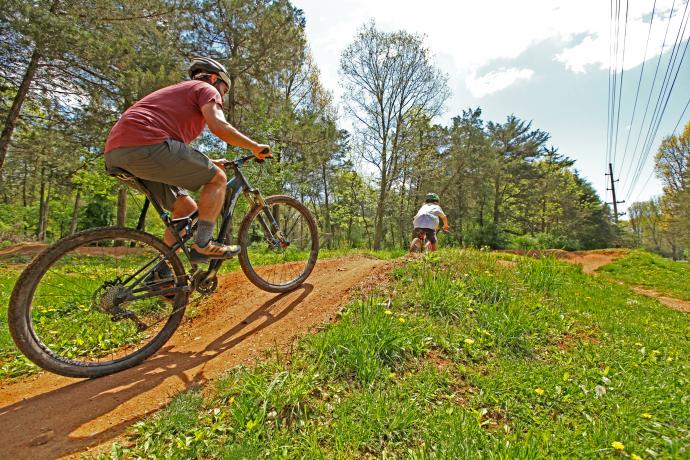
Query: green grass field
x=469 y=359
x=641 y=268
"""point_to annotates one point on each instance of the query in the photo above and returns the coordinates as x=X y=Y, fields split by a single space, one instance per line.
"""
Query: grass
x=469 y=359
x=641 y=268
x=64 y=319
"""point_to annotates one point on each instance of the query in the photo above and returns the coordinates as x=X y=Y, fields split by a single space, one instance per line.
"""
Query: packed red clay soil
x=23 y=249
x=30 y=249
x=676 y=304
x=48 y=416
x=590 y=260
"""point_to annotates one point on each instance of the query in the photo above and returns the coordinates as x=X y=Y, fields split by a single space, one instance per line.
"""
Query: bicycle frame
x=236 y=186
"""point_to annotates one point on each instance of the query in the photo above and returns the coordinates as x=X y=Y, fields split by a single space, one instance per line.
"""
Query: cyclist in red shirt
x=151 y=141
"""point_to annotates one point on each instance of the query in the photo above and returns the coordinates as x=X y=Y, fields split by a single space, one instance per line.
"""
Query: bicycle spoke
x=75 y=313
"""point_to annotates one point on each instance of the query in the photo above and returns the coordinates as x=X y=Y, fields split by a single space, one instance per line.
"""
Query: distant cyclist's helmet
x=208 y=65
x=432 y=198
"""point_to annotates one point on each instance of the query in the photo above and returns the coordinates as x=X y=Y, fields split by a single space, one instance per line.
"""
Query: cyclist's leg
x=417 y=240
x=183 y=206
x=212 y=196
x=431 y=239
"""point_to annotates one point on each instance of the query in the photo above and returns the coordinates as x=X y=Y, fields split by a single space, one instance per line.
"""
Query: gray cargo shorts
x=166 y=169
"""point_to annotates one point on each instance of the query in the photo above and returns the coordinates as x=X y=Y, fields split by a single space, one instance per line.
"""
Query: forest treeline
x=662 y=224
x=68 y=69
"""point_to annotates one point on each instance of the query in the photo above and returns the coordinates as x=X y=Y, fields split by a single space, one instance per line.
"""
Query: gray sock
x=204 y=232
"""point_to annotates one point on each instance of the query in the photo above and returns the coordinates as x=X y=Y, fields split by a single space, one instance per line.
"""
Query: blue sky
x=542 y=60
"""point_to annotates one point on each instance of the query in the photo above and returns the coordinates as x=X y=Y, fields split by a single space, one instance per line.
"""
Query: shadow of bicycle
x=51 y=424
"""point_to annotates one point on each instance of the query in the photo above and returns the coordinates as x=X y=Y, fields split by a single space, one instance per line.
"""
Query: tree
x=389 y=80
x=515 y=144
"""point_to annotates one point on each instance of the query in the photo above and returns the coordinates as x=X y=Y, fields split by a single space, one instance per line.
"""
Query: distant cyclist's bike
x=419 y=243
x=94 y=303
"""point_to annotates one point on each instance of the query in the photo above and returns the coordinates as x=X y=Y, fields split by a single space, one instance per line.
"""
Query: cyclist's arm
x=218 y=125
x=444 y=219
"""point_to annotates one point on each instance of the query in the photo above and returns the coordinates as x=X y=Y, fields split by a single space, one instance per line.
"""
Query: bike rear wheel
x=80 y=309
x=278 y=257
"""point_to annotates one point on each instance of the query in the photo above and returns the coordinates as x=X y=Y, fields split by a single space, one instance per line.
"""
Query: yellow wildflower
x=388 y=312
x=617 y=445
x=635 y=457
x=402 y=320
x=391 y=375
x=469 y=341
x=539 y=391
x=647 y=415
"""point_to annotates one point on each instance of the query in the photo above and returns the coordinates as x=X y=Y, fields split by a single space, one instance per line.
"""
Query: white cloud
x=496 y=80
x=594 y=49
x=466 y=36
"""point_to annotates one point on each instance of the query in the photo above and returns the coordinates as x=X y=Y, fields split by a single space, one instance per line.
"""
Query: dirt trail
x=592 y=260
x=676 y=304
x=49 y=416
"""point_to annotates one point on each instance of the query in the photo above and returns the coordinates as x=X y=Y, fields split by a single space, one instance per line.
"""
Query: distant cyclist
x=426 y=222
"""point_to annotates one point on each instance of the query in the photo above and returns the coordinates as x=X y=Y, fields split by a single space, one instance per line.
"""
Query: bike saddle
x=120 y=173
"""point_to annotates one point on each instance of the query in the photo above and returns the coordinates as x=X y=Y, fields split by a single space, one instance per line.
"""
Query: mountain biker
x=151 y=141
x=426 y=221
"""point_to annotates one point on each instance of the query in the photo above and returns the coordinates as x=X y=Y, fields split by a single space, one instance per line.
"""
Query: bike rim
x=76 y=315
x=280 y=259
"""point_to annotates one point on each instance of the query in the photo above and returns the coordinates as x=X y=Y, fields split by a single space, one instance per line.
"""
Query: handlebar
x=242 y=160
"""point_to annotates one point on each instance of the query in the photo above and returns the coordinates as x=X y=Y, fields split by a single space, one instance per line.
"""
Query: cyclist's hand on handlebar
x=262 y=151
x=446 y=228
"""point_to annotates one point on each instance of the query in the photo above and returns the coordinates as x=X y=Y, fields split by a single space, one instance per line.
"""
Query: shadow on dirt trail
x=51 y=416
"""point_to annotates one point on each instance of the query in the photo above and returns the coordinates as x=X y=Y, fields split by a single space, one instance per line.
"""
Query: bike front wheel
x=86 y=307
x=280 y=244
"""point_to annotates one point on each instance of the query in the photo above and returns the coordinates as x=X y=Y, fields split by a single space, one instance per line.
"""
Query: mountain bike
x=419 y=243
x=91 y=305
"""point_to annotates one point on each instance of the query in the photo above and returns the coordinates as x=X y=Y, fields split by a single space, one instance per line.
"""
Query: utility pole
x=613 y=192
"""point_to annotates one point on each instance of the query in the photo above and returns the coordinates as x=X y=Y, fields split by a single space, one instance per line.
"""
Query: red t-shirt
x=173 y=112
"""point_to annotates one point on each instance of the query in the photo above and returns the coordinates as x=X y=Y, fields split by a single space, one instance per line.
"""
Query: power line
x=607 y=158
x=639 y=82
x=649 y=176
x=658 y=111
x=651 y=91
x=620 y=88
x=660 y=108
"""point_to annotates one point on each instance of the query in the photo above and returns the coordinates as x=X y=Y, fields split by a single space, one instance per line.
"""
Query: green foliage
x=376 y=342
x=98 y=213
x=498 y=181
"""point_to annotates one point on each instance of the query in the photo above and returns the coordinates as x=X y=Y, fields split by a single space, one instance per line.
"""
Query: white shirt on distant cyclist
x=428 y=216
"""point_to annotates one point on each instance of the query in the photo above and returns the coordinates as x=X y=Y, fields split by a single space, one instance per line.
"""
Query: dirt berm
x=48 y=416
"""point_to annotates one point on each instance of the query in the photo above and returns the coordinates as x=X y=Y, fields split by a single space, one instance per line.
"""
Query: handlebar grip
x=264 y=151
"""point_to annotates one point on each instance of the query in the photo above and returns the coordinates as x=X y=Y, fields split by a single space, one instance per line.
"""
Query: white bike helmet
x=208 y=65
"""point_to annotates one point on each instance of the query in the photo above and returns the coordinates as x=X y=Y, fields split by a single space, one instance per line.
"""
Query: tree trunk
x=329 y=237
x=17 y=103
x=75 y=213
x=141 y=223
x=43 y=207
x=25 y=202
x=378 y=219
x=121 y=210
x=497 y=201
x=20 y=97
x=366 y=224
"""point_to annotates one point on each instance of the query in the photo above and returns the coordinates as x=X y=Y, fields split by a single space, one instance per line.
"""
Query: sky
x=545 y=61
